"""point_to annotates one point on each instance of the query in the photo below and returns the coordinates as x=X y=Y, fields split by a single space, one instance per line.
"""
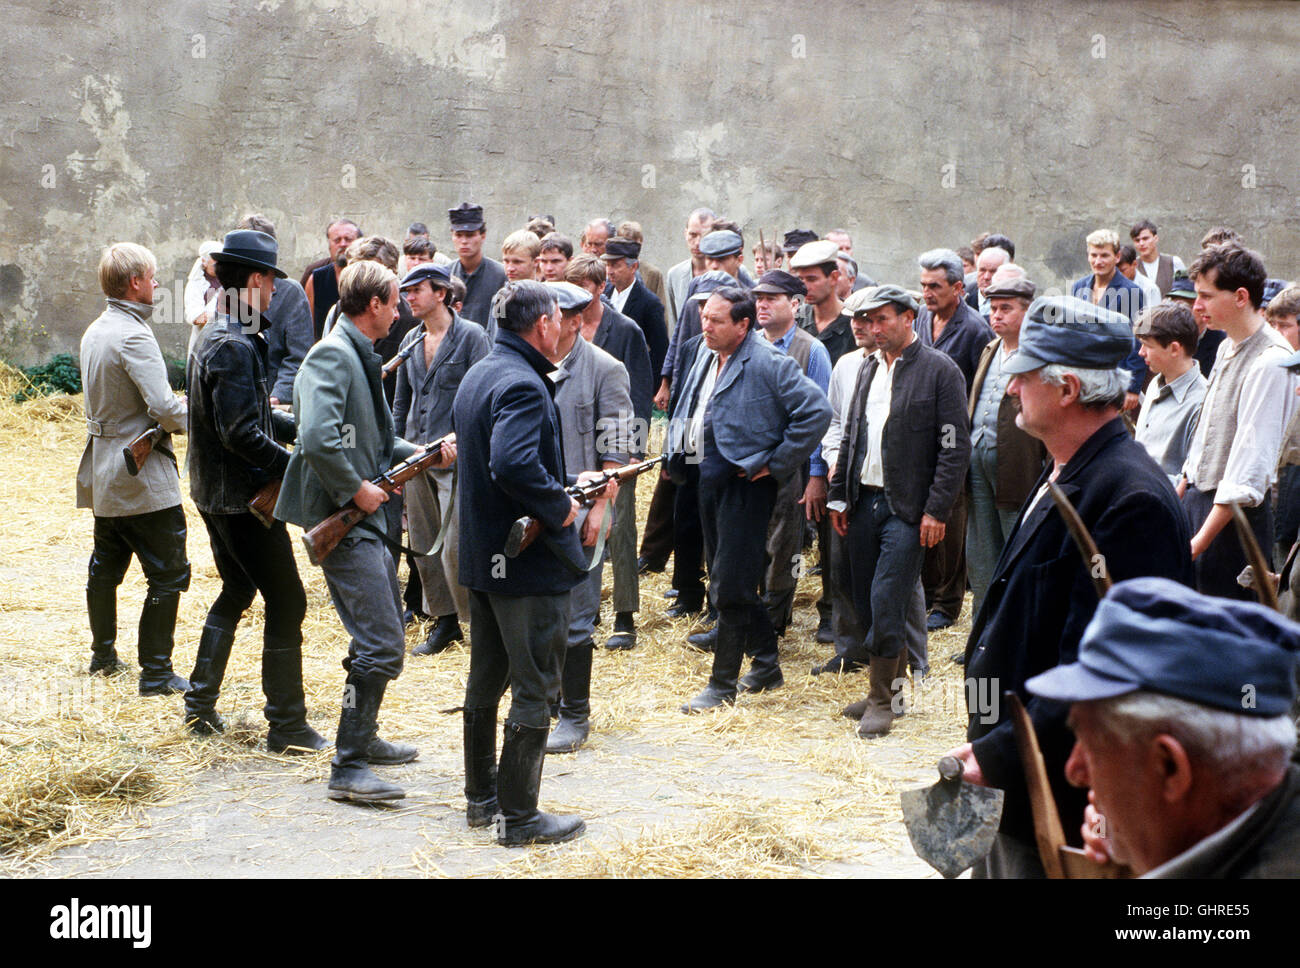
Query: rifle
x=527 y=529
x=262 y=504
x=140 y=448
x=324 y=538
x=387 y=369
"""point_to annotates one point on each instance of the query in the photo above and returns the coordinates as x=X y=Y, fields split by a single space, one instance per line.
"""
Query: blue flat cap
x=717 y=245
x=437 y=275
x=793 y=239
x=1182 y=288
x=778 y=282
x=703 y=285
x=569 y=296
x=1062 y=329
x=1155 y=635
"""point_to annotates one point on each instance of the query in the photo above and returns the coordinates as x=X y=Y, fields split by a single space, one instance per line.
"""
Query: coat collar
x=135 y=310
x=514 y=343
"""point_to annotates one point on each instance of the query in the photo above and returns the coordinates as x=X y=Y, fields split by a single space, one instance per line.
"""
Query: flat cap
x=1062 y=329
x=569 y=296
x=716 y=245
x=703 y=285
x=780 y=283
x=815 y=253
x=1015 y=288
x=437 y=275
x=1271 y=288
x=791 y=241
x=1155 y=635
x=466 y=217
x=1182 y=288
x=873 y=297
x=620 y=248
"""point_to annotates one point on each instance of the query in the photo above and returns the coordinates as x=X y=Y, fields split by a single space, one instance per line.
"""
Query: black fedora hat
x=248 y=248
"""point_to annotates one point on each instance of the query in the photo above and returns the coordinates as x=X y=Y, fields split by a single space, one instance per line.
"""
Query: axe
x=953 y=823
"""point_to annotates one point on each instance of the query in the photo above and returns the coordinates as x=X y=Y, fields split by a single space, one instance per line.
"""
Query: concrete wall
x=912 y=124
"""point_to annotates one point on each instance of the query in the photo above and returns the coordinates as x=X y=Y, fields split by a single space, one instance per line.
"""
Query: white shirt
x=879 y=395
x=1149 y=269
x=702 y=402
x=618 y=299
x=1264 y=408
x=1150 y=291
x=840 y=392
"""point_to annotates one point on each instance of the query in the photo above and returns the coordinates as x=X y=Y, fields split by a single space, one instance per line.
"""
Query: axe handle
x=1092 y=557
x=1048 y=832
x=1255 y=558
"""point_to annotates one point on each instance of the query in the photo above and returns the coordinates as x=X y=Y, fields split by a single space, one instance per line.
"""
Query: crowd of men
x=919 y=435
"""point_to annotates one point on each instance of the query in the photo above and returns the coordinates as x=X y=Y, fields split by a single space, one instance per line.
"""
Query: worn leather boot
x=727 y=656
x=765 y=668
x=624 y=634
x=157 y=628
x=704 y=641
x=480 y=765
x=350 y=774
x=855 y=710
x=286 y=706
x=879 y=715
x=519 y=780
x=101 y=606
x=201 y=716
x=575 y=702
x=445 y=631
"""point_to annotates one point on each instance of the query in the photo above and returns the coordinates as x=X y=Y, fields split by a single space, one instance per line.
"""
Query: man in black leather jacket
x=235 y=450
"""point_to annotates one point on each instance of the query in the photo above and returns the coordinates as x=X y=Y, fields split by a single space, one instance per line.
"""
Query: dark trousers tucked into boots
x=575 y=700
x=350 y=775
x=480 y=732
x=519 y=782
x=157 y=539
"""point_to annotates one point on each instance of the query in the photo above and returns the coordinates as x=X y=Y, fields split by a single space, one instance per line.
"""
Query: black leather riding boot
x=519 y=781
x=480 y=765
x=286 y=706
x=205 y=681
x=157 y=628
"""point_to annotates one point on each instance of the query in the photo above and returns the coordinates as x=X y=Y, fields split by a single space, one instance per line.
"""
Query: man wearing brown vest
x=1160 y=269
x=804 y=495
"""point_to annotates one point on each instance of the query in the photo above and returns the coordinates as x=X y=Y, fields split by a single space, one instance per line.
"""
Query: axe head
x=953 y=823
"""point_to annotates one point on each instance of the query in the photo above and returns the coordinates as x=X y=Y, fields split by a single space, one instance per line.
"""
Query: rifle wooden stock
x=140 y=448
x=262 y=504
x=528 y=529
x=324 y=538
x=388 y=368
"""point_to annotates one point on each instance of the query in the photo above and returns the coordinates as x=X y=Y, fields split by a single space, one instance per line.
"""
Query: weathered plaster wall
x=163 y=123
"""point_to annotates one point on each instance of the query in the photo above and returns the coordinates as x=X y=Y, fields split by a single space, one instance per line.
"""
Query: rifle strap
x=597 y=552
x=438 y=542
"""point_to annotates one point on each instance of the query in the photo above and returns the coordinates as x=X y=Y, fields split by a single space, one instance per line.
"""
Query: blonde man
x=126 y=390
x=1109 y=288
x=519 y=254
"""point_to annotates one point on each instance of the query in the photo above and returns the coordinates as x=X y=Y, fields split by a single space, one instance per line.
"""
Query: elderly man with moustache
x=1067 y=374
x=1182 y=710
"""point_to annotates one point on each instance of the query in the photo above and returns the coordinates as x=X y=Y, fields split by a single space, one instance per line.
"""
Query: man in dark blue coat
x=1111 y=289
x=511 y=466
x=1042 y=596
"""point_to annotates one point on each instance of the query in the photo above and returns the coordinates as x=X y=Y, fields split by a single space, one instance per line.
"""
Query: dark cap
x=719 y=245
x=437 y=275
x=569 y=296
x=466 y=217
x=619 y=248
x=1155 y=635
x=1017 y=288
x=1271 y=288
x=703 y=285
x=1066 y=330
x=1182 y=288
x=244 y=247
x=781 y=283
x=873 y=297
x=791 y=241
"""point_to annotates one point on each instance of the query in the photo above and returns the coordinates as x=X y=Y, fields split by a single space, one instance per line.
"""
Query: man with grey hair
x=1181 y=708
x=949 y=324
x=987 y=263
x=595 y=235
x=1066 y=373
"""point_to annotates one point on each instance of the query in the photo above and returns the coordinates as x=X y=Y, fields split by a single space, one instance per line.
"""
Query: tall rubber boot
x=765 y=669
x=519 y=781
x=157 y=628
x=480 y=765
x=575 y=701
x=728 y=653
x=201 y=716
x=101 y=607
x=350 y=775
x=286 y=705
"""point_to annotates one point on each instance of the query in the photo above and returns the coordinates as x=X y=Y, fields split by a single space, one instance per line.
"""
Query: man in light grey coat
x=126 y=391
x=597 y=422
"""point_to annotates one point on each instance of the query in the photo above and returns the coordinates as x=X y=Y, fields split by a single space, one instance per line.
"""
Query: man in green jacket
x=346 y=438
